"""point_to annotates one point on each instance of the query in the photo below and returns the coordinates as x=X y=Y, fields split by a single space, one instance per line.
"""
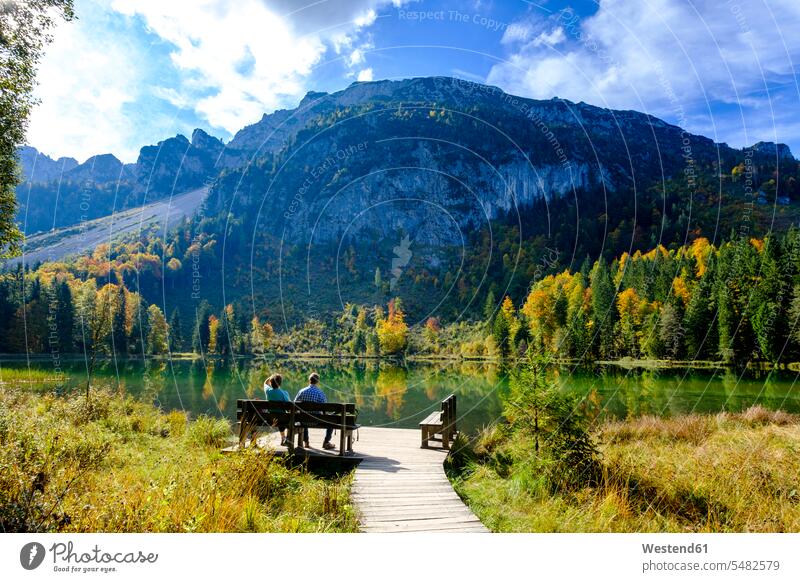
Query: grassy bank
x=112 y=464
x=721 y=473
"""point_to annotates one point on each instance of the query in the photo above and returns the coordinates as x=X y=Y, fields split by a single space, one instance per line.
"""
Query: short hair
x=313 y=378
x=274 y=381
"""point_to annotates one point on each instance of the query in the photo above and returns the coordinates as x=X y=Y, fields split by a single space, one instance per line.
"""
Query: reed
x=700 y=473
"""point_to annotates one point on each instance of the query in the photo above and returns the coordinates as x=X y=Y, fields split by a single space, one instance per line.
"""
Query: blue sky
x=130 y=73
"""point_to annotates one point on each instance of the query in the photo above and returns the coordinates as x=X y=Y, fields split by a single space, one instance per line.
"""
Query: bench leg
x=342 y=438
x=290 y=437
x=425 y=437
x=349 y=441
x=446 y=439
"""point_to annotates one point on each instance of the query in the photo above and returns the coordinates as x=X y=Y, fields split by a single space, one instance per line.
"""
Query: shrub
x=176 y=421
x=559 y=444
x=209 y=431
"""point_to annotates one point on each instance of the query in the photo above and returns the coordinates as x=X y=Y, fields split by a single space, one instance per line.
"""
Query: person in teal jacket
x=274 y=393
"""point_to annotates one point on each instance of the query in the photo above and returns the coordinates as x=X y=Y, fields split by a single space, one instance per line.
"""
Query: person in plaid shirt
x=313 y=393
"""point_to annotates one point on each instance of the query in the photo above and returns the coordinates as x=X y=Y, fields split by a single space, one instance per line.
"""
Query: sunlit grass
x=117 y=465
x=724 y=472
x=32 y=376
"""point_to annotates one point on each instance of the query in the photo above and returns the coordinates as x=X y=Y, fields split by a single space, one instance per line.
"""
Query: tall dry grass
x=723 y=473
x=113 y=464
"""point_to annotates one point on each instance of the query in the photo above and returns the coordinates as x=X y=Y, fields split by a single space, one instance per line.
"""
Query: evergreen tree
x=702 y=341
x=768 y=303
x=119 y=335
x=794 y=319
x=671 y=330
x=7 y=309
x=501 y=331
x=200 y=333
x=737 y=278
x=489 y=307
x=65 y=318
x=603 y=311
x=176 y=341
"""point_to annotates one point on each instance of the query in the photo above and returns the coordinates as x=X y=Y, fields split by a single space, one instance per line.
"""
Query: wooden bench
x=251 y=415
x=441 y=422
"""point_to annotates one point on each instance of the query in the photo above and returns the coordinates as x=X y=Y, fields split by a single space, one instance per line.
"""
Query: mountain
x=490 y=190
x=439 y=190
x=62 y=193
x=38 y=167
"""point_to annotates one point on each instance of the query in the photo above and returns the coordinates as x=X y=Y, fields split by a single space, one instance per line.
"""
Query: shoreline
x=624 y=363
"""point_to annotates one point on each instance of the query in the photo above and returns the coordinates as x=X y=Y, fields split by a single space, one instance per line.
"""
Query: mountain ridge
x=306 y=206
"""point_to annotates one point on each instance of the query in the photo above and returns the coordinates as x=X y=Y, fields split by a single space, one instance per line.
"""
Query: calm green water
x=393 y=396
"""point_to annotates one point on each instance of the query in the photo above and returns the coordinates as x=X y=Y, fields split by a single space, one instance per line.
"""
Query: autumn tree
x=392 y=331
x=260 y=335
x=157 y=331
x=213 y=333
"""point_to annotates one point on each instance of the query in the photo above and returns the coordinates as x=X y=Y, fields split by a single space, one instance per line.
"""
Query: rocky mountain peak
x=769 y=148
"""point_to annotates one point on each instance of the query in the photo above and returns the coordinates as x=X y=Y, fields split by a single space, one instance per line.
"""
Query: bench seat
x=440 y=422
x=435 y=419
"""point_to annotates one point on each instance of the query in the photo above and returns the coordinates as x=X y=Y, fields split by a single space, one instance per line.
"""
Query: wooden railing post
x=455 y=415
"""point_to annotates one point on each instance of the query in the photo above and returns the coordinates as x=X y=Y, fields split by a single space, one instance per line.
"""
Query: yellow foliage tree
x=393 y=331
x=681 y=290
x=700 y=251
x=213 y=333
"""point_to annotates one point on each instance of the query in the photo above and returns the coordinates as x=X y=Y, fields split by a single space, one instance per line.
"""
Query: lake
x=400 y=396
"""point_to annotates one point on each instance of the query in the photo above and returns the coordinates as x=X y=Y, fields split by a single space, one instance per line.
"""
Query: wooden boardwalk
x=398 y=486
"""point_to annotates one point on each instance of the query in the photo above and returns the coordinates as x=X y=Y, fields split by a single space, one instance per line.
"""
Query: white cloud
x=242 y=59
x=356 y=58
x=85 y=81
x=365 y=75
x=172 y=97
x=552 y=38
x=106 y=87
x=663 y=56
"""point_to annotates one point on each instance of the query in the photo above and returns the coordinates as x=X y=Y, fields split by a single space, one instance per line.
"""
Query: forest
x=733 y=303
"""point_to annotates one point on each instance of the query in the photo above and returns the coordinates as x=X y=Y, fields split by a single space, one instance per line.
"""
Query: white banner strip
x=459 y=557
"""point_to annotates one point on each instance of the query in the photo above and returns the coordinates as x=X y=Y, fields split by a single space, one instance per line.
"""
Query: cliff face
x=438 y=158
x=431 y=156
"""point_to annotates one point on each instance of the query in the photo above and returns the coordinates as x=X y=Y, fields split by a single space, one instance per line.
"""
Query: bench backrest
x=266 y=413
x=449 y=412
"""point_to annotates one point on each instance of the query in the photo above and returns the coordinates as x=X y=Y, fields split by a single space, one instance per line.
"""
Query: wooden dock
x=398 y=486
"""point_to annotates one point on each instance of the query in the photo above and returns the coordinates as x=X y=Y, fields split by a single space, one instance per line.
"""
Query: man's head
x=313 y=379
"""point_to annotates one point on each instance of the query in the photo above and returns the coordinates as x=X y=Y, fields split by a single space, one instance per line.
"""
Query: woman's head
x=313 y=379
x=274 y=381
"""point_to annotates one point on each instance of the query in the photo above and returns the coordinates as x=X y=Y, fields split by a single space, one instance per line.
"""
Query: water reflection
x=388 y=394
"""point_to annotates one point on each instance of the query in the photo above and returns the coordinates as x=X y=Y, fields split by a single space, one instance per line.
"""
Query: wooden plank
x=455 y=530
x=421 y=513
x=401 y=487
x=398 y=486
